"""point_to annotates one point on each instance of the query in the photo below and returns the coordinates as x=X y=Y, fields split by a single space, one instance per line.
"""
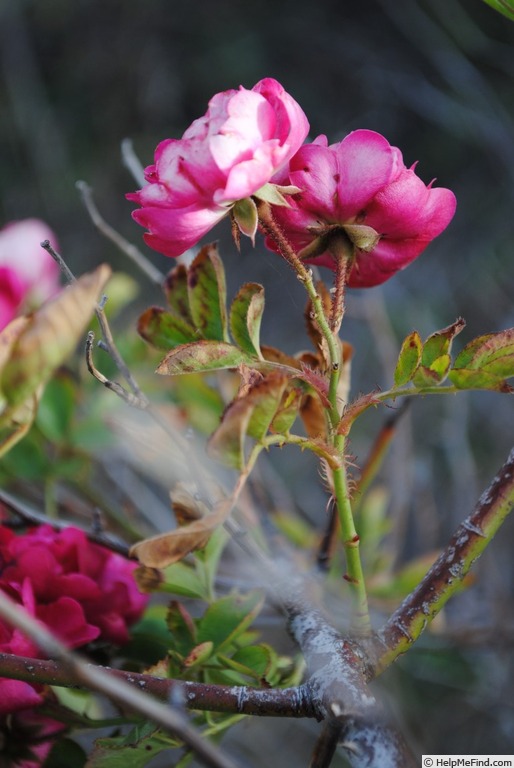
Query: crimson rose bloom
x=81 y=591
x=28 y=274
x=361 y=189
x=229 y=154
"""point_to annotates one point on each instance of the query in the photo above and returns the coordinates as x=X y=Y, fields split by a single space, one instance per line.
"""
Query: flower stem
x=329 y=328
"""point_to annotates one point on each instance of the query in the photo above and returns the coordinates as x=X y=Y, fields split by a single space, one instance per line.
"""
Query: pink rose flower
x=81 y=591
x=28 y=274
x=362 y=190
x=229 y=154
x=26 y=738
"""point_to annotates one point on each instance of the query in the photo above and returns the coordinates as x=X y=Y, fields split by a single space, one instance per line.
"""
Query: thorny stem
x=446 y=575
x=170 y=719
x=329 y=328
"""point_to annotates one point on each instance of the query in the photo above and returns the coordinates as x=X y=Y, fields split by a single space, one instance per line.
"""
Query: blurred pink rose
x=26 y=738
x=81 y=591
x=361 y=189
x=227 y=155
x=28 y=274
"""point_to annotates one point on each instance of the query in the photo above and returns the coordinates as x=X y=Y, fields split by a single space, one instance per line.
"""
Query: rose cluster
x=28 y=274
x=359 y=189
x=80 y=590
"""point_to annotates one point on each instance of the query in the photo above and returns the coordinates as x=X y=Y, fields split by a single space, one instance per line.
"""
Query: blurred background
x=436 y=78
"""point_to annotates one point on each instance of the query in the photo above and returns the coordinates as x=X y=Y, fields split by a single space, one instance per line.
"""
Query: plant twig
x=117 y=689
x=337 y=678
x=243 y=700
x=132 y=163
x=130 y=250
x=136 y=401
x=30 y=515
x=446 y=575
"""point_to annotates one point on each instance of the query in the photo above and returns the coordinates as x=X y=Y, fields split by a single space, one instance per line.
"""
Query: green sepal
x=244 y=213
x=245 y=318
x=408 y=359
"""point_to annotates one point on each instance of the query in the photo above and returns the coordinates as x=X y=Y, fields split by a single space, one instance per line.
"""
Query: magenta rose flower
x=359 y=193
x=81 y=591
x=64 y=565
x=27 y=737
x=28 y=274
x=244 y=138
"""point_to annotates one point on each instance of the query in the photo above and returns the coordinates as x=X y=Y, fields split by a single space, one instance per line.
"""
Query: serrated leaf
x=164 y=330
x=245 y=318
x=56 y=409
x=182 y=629
x=486 y=362
x=429 y=376
x=201 y=356
x=49 y=337
x=226 y=619
x=506 y=7
x=265 y=397
x=439 y=343
x=176 y=292
x=408 y=359
x=207 y=294
x=466 y=379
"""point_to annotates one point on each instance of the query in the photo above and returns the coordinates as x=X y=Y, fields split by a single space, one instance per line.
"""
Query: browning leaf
x=167 y=548
x=49 y=336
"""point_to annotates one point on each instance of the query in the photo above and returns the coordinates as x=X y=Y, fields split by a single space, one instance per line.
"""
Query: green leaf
x=176 y=291
x=408 y=360
x=245 y=318
x=182 y=629
x=181 y=579
x=56 y=409
x=265 y=398
x=208 y=294
x=258 y=661
x=66 y=753
x=506 y=7
x=201 y=356
x=439 y=343
x=226 y=619
x=486 y=362
x=287 y=412
x=429 y=376
x=201 y=403
x=199 y=654
x=227 y=443
x=164 y=330
x=132 y=751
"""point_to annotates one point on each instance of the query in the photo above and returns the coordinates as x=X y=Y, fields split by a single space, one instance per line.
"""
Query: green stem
x=329 y=327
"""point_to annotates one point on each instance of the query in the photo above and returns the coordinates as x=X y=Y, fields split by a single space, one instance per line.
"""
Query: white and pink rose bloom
x=360 y=190
x=28 y=274
x=243 y=140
